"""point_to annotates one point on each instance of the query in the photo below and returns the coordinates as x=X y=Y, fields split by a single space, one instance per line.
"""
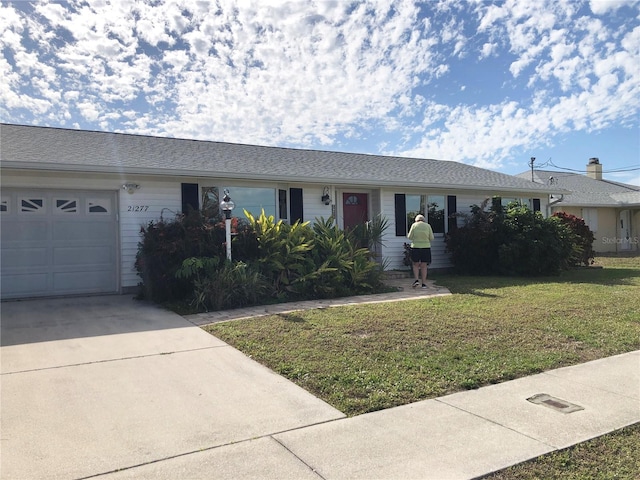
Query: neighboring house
x=73 y=201
x=610 y=209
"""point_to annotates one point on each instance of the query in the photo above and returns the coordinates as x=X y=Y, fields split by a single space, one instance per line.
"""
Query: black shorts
x=421 y=255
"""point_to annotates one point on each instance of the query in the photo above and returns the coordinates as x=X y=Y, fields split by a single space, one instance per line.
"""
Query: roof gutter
x=352 y=182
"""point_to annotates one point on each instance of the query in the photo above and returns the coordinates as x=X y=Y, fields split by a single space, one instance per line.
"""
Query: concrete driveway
x=99 y=384
x=117 y=389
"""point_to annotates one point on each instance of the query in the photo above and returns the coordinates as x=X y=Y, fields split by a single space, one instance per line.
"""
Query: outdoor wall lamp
x=226 y=205
x=326 y=198
x=130 y=187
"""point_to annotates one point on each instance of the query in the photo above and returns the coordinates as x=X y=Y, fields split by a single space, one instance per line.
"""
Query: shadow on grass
x=291 y=317
x=468 y=284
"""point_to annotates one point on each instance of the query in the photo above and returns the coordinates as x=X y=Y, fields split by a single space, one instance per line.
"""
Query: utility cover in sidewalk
x=554 y=403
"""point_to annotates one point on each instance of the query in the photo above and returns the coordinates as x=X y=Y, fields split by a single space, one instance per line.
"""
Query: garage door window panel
x=66 y=206
x=32 y=205
x=98 y=206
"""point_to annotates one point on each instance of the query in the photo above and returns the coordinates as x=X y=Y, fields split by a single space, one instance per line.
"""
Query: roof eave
x=57 y=167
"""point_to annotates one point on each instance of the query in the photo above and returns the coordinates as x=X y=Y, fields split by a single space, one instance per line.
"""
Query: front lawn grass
x=613 y=457
x=364 y=358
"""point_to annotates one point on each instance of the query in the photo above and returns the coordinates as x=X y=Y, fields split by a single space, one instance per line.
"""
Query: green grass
x=611 y=457
x=369 y=357
x=364 y=358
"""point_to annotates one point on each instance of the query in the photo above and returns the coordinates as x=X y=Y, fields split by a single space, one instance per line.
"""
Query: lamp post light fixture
x=326 y=198
x=227 y=205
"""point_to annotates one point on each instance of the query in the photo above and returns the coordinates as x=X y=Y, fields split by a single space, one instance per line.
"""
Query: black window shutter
x=536 y=204
x=283 y=211
x=295 y=208
x=452 y=208
x=190 y=199
x=401 y=215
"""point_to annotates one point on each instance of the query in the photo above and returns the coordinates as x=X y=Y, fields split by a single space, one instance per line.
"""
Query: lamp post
x=227 y=205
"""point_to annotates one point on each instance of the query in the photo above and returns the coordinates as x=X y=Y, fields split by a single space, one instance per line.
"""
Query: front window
x=251 y=199
x=431 y=206
x=435 y=212
x=415 y=204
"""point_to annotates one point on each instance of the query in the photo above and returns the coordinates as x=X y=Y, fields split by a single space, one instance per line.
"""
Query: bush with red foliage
x=583 y=254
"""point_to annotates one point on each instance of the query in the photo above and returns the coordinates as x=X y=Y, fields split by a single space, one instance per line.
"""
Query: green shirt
x=420 y=235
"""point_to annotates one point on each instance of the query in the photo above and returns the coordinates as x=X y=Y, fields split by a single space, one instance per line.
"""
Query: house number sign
x=137 y=208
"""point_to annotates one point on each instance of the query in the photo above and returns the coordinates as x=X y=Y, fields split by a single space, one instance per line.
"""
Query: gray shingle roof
x=588 y=192
x=45 y=148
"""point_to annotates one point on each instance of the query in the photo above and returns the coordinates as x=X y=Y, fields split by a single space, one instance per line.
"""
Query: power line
x=622 y=169
x=615 y=170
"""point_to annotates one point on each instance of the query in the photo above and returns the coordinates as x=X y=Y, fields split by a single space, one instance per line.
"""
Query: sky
x=487 y=83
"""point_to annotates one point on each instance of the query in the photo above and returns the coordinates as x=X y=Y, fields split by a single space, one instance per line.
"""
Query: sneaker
x=424 y=286
x=416 y=284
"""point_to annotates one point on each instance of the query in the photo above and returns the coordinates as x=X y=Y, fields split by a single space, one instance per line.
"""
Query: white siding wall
x=313 y=206
x=154 y=200
x=376 y=203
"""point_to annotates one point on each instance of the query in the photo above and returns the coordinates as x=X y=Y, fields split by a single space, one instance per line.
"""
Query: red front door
x=355 y=207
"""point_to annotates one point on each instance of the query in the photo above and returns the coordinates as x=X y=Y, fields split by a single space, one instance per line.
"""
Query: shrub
x=163 y=248
x=532 y=244
x=282 y=251
x=218 y=285
x=510 y=241
x=342 y=267
x=472 y=245
x=184 y=260
x=370 y=234
x=582 y=238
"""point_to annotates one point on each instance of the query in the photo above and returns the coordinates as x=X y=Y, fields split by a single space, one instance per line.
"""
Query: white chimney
x=594 y=169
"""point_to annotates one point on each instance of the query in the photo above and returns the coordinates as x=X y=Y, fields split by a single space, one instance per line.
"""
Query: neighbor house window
x=590 y=217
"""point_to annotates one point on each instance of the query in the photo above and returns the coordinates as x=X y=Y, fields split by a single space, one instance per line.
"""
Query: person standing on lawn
x=420 y=235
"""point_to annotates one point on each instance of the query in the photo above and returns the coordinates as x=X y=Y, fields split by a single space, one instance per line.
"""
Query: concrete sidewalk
x=112 y=388
x=401 y=286
x=460 y=436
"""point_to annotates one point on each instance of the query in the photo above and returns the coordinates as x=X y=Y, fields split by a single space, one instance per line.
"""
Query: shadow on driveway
x=50 y=319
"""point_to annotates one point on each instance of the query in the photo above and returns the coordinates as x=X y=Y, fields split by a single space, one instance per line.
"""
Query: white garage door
x=58 y=242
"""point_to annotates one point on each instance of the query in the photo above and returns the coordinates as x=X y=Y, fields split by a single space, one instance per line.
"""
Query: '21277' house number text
x=137 y=208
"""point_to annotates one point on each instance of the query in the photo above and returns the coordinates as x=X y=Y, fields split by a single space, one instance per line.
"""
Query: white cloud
x=89 y=110
x=487 y=50
x=602 y=7
x=302 y=73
